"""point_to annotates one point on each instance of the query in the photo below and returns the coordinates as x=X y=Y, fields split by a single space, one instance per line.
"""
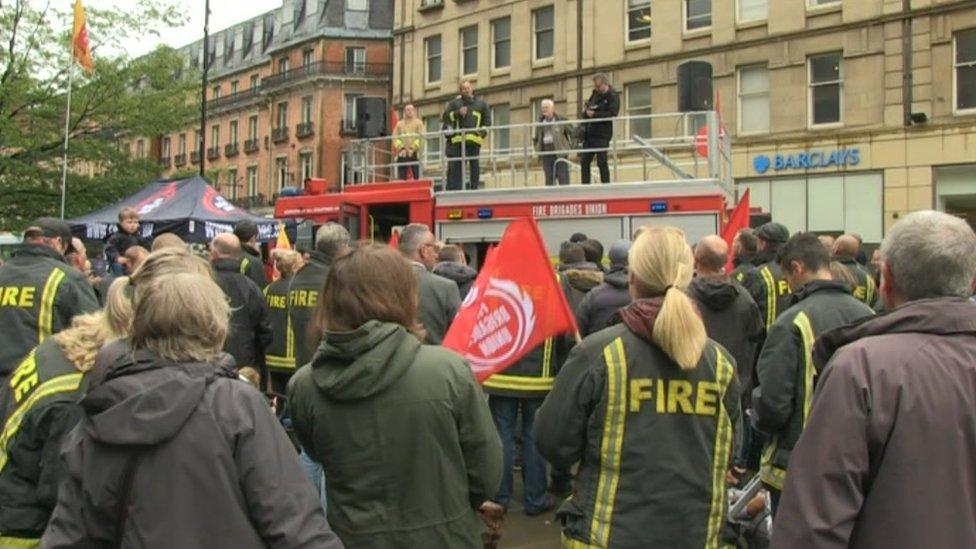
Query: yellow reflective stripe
x=60 y=384
x=7 y=542
x=245 y=263
x=274 y=361
x=570 y=543
x=519 y=383
x=802 y=322
x=723 y=447
x=871 y=288
x=290 y=341
x=770 y=281
x=547 y=359
x=769 y=473
x=611 y=444
x=45 y=319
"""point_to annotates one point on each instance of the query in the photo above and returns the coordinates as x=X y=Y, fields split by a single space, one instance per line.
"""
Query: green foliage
x=122 y=99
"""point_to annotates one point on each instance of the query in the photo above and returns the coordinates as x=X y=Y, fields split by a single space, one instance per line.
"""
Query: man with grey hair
x=553 y=138
x=888 y=457
x=331 y=241
x=439 y=299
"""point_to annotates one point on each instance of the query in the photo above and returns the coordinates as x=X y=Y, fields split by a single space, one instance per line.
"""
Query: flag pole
x=64 y=160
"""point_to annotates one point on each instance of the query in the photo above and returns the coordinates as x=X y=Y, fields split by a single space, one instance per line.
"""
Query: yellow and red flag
x=80 y=47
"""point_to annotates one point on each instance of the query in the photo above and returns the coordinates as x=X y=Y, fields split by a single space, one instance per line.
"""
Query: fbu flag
x=515 y=304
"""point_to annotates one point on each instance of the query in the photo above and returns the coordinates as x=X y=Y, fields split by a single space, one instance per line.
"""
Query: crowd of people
x=187 y=401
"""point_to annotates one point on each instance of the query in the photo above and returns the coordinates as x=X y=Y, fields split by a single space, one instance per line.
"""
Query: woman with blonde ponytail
x=647 y=409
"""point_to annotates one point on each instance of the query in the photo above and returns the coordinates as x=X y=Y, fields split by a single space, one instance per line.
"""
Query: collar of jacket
x=250 y=250
x=820 y=286
x=846 y=260
x=39 y=250
x=319 y=257
x=227 y=265
x=361 y=363
x=762 y=258
x=418 y=266
x=938 y=317
x=639 y=316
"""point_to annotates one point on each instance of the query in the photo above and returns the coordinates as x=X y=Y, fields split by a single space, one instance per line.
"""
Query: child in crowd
x=126 y=237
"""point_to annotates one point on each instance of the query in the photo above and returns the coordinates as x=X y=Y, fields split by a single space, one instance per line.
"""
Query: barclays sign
x=807 y=160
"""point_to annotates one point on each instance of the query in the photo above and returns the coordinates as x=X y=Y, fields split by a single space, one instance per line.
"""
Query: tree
x=124 y=98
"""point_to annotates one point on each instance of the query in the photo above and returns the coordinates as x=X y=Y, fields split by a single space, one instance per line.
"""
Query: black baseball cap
x=773 y=232
x=49 y=227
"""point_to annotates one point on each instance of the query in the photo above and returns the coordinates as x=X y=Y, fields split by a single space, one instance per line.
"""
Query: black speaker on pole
x=371 y=115
x=694 y=86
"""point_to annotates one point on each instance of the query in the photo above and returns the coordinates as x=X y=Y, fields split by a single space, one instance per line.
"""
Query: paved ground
x=523 y=532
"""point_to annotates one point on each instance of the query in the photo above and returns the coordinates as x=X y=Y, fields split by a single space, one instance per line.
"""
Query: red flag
x=737 y=221
x=515 y=304
x=394 y=240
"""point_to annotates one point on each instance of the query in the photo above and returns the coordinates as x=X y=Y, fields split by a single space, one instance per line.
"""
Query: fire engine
x=680 y=178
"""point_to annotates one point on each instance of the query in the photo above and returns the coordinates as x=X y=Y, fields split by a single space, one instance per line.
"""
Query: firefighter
x=331 y=241
x=647 y=408
x=766 y=284
x=845 y=252
x=466 y=118
x=39 y=292
x=785 y=370
x=252 y=266
x=280 y=354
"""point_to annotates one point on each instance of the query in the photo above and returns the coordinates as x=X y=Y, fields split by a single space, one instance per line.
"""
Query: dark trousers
x=408 y=167
x=504 y=410
x=549 y=166
x=455 y=176
x=586 y=159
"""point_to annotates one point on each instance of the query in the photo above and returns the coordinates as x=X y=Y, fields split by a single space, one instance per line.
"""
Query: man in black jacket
x=39 y=292
x=250 y=329
x=603 y=104
x=745 y=247
x=252 y=265
x=452 y=265
x=466 y=118
x=600 y=304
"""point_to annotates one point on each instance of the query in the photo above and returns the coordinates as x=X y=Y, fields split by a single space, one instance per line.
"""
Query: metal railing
x=230 y=149
x=643 y=148
x=251 y=145
x=304 y=129
x=327 y=68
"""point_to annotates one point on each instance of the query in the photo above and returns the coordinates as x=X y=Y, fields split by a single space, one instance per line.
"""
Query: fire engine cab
x=660 y=182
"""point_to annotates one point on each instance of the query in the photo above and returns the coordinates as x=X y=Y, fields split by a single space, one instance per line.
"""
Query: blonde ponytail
x=662 y=263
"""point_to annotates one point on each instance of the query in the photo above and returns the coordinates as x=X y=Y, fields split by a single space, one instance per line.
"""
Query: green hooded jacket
x=405 y=437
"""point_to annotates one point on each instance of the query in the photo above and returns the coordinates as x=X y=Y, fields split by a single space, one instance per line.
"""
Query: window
x=232 y=133
x=638 y=20
x=698 y=14
x=255 y=81
x=281 y=172
x=215 y=94
x=349 y=111
x=965 y=73
x=543 y=22
x=356 y=60
x=234 y=86
x=826 y=81
x=228 y=47
x=306 y=109
x=140 y=149
x=751 y=10
x=501 y=115
x=252 y=127
x=432 y=126
x=822 y=3
x=283 y=65
x=248 y=39
x=469 y=50
x=638 y=97
x=305 y=165
x=252 y=181
x=308 y=57
x=165 y=148
x=268 y=34
x=357 y=5
x=299 y=12
x=282 y=115
x=182 y=146
x=501 y=38
x=215 y=136
x=753 y=92
x=232 y=182
x=432 y=50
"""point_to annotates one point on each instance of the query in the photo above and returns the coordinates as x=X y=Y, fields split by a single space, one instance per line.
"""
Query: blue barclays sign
x=807 y=160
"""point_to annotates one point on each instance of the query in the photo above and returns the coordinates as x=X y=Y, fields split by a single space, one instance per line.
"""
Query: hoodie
x=733 y=320
x=180 y=455
x=404 y=435
x=599 y=305
x=462 y=275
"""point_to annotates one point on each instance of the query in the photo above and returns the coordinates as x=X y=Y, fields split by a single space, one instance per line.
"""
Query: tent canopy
x=189 y=208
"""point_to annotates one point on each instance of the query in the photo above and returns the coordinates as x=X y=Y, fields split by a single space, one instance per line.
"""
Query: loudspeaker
x=371 y=116
x=694 y=86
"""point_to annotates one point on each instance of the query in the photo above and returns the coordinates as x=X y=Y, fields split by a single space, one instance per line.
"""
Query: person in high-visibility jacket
x=466 y=119
x=648 y=408
x=785 y=370
x=766 y=283
x=280 y=353
x=39 y=292
x=407 y=141
x=864 y=288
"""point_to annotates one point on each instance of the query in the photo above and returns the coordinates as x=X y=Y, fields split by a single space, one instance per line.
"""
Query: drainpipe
x=906 y=56
x=403 y=10
x=579 y=55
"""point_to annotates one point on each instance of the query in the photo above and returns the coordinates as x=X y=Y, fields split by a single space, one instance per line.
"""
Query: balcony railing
x=250 y=202
x=328 y=68
x=251 y=145
x=213 y=153
x=279 y=135
x=234 y=98
x=194 y=157
x=305 y=129
x=179 y=160
x=231 y=149
x=166 y=161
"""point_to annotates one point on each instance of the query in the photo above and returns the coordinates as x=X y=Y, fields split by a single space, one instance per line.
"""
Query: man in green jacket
x=785 y=370
x=439 y=298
